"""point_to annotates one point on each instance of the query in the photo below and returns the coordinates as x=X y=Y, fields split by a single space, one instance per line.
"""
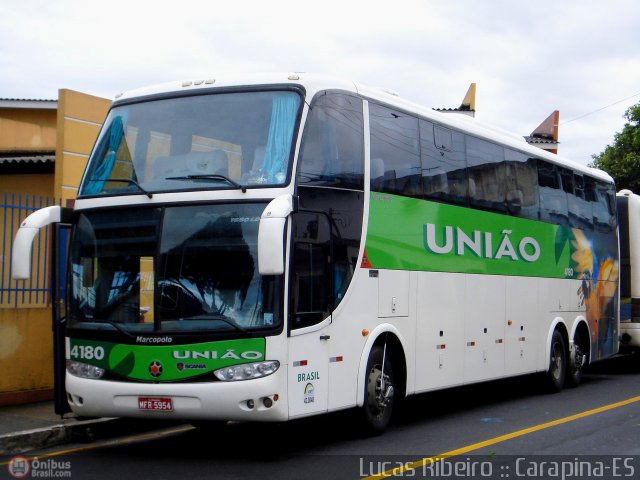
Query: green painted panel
x=166 y=362
x=412 y=234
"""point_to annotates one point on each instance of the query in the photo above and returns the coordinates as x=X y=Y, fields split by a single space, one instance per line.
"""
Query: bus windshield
x=201 y=142
x=173 y=269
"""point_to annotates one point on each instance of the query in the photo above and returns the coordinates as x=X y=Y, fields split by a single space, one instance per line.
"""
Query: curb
x=20 y=442
x=80 y=431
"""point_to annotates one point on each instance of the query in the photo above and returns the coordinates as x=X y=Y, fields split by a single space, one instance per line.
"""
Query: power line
x=600 y=109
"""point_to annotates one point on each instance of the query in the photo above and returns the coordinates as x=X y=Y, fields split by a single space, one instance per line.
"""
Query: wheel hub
x=379 y=389
x=578 y=358
x=557 y=361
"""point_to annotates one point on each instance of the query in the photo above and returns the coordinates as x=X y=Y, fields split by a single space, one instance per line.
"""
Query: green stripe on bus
x=413 y=234
x=166 y=362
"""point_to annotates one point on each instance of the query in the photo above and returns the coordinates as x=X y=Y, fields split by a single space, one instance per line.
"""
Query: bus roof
x=312 y=83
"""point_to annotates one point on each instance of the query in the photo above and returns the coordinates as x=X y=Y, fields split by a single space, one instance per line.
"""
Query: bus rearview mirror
x=271 y=235
x=22 y=244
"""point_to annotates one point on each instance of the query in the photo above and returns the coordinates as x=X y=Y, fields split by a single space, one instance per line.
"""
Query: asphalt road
x=503 y=429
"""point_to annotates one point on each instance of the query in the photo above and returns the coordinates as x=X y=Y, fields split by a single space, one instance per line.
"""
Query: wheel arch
x=581 y=330
x=381 y=334
x=559 y=324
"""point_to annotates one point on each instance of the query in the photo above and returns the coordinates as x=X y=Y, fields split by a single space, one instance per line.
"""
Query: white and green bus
x=269 y=248
x=629 y=229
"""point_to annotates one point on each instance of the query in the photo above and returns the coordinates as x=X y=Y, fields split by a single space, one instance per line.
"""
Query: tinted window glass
x=553 y=199
x=395 y=156
x=312 y=280
x=485 y=162
x=590 y=189
x=604 y=211
x=332 y=152
x=344 y=210
x=443 y=163
x=521 y=180
x=580 y=209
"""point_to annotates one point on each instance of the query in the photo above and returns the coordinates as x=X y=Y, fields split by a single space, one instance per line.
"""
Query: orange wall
x=80 y=117
x=26 y=350
x=27 y=129
x=40 y=185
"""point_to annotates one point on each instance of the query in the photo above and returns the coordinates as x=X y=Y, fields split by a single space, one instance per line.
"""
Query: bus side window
x=394 y=140
x=312 y=279
x=580 y=209
x=553 y=199
x=597 y=197
x=604 y=210
x=521 y=176
x=485 y=163
x=443 y=164
x=332 y=150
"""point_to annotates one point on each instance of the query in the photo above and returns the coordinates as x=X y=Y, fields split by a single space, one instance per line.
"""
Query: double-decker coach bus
x=281 y=246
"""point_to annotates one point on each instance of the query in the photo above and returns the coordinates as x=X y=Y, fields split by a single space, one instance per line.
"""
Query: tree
x=621 y=159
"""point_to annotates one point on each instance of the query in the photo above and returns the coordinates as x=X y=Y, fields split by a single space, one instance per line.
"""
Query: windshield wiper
x=119 y=328
x=211 y=176
x=221 y=318
x=125 y=180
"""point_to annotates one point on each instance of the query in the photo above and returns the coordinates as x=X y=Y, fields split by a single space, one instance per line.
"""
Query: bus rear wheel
x=379 y=391
x=577 y=361
x=557 y=371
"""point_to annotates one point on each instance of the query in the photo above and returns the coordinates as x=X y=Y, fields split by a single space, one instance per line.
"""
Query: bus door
x=311 y=302
x=61 y=235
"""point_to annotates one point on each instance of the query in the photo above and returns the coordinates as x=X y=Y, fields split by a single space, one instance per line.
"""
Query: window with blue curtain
x=278 y=149
x=108 y=149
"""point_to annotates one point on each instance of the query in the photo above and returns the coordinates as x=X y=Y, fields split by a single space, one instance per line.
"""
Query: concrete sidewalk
x=35 y=426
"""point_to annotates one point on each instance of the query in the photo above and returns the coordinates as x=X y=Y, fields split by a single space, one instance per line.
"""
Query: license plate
x=162 y=404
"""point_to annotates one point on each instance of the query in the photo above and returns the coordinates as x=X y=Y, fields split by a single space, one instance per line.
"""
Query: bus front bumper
x=262 y=399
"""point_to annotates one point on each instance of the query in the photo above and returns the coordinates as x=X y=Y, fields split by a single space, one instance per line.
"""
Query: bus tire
x=577 y=361
x=557 y=371
x=378 y=396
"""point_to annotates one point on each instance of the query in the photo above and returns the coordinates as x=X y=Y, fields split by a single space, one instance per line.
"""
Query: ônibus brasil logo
x=19 y=467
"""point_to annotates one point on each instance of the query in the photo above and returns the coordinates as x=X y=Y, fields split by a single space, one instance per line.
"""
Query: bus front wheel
x=557 y=371
x=379 y=391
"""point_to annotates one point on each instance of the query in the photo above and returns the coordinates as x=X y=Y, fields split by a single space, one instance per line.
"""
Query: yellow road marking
x=110 y=443
x=396 y=471
x=502 y=438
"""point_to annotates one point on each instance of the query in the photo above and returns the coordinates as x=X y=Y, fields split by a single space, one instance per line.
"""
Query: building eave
x=33 y=104
x=27 y=157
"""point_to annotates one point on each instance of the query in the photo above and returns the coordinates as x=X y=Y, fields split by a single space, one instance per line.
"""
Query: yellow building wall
x=80 y=117
x=40 y=185
x=26 y=346
x=26 y=355
x=27 y=129
x=34 y=191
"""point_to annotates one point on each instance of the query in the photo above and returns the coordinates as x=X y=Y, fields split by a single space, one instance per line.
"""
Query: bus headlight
x=84 y=370
x=247 y=371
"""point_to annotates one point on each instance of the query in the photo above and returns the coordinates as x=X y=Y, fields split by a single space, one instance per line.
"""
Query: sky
x=528 y=58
